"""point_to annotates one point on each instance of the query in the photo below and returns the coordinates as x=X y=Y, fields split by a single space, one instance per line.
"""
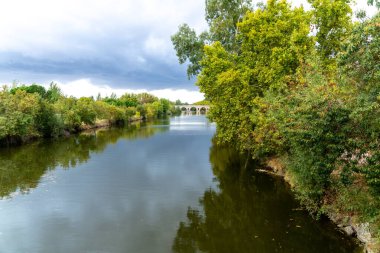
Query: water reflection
x=130 y=195
x=22 y=167
x=252 y=212
x=122 y=196
x=190 y=123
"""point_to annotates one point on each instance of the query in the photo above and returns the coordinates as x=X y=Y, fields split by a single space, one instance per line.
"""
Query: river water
x=157 y=187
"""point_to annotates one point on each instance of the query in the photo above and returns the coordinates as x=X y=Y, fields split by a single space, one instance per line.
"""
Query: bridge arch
x=198 y=109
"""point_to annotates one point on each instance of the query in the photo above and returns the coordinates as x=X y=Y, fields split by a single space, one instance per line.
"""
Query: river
x=151 y=187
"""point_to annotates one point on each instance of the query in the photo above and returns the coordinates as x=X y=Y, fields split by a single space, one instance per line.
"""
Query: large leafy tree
x=360 y=57
x=18 y=113
x=222 y=17
x=274 y=41
x=332 y=20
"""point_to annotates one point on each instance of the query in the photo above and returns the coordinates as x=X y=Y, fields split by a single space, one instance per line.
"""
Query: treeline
x=28 y=112
x=302 y=86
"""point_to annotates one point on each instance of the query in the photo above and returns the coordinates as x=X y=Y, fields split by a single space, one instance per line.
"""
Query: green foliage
x=53 y=93
x=67 y=113
x=30 y=111
x=117 y=102
x=145 y=98
x=360 y=57
x=203 y=102
x=189 y=47
x=222 y=84
x=128 y=100
x=34 y=88
x=18 y=112
x=222 y=17
x=47 y=122
x=316 y=131
x=85 y=108
x=274 y=42
x=332 y=20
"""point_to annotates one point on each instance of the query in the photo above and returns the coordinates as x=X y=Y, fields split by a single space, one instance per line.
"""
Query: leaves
x=31 y=111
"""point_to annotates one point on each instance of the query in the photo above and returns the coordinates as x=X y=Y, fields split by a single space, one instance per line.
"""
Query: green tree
x=18 y=114
x=360 y=56
x=332 y=20
x=222 y=17
x=34 y=88
x=274 y=42
x=53 y=93
x=85 y=108
x=128 y=100
x=47 y=121
x=189 y=47
x=145 y=98
x=66 y=112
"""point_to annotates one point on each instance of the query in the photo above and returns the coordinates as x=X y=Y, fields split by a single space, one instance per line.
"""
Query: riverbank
x=18 y=141
x=350 y=223
x=107 y=123
x=32 y=112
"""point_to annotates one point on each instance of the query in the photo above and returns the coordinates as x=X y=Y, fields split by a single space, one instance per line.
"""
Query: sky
x=99 y=46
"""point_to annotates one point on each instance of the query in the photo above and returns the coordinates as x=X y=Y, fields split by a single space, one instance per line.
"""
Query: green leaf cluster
x=28 y=112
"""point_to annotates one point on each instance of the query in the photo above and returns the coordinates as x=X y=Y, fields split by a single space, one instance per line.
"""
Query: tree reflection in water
x=252 y=212
x=22 y=167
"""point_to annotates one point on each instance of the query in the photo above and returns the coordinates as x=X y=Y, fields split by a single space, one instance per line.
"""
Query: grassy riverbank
x=31 y=112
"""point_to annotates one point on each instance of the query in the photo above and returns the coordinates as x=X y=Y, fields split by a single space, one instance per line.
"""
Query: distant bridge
x=194 y=108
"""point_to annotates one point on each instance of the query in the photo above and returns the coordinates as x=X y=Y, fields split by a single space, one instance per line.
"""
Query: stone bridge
x=194 y=108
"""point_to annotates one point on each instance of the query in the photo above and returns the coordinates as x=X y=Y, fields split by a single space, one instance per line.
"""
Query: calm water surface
x=158 y=187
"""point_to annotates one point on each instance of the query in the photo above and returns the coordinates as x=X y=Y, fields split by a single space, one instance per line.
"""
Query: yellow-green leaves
x=275 y=41
x=332 y=20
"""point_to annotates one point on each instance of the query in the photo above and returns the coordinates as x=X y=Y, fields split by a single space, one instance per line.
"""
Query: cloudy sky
x=92 y=46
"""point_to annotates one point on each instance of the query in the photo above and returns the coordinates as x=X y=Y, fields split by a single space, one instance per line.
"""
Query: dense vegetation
x=303 y=86
x=28 y=112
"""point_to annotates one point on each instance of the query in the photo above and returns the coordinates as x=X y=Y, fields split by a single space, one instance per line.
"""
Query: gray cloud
x=125 y=44
x=154 y=73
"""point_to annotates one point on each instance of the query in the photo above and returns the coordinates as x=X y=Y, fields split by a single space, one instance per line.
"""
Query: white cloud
x=45 y=26
x=86 y=88
x=157 y=46
x=181 y=94
x=119 y=41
